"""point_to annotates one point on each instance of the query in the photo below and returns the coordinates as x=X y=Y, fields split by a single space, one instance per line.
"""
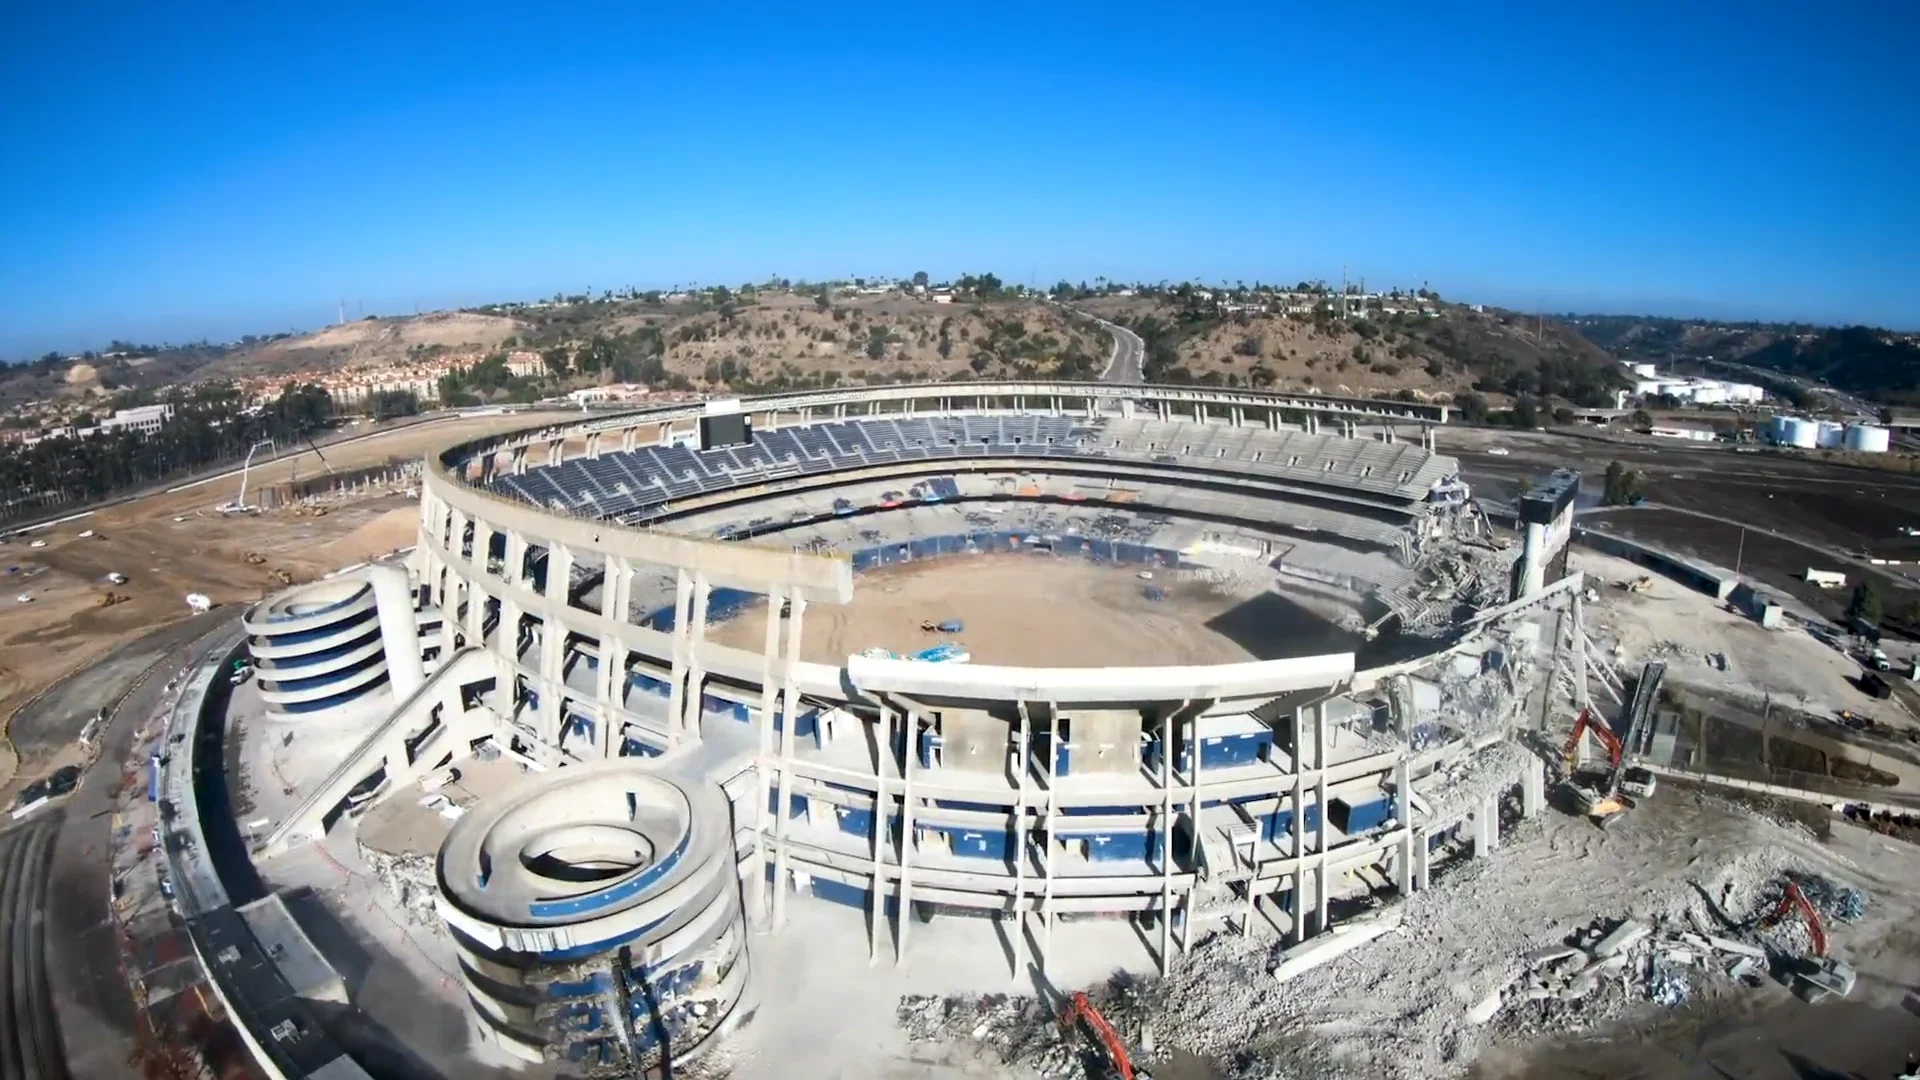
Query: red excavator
x=1597 y=795
x=1081 y=1011
x=1817 y=975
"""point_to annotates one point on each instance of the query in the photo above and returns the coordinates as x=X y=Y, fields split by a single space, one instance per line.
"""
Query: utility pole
x=1740 y=552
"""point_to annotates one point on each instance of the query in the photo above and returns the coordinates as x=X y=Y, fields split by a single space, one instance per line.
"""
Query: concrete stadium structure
x=571 y=580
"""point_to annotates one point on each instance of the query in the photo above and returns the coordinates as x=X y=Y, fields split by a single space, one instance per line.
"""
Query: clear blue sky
x=172 y=176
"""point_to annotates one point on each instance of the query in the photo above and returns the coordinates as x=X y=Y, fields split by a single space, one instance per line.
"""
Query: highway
x=1126 y=365
x=29 y=1038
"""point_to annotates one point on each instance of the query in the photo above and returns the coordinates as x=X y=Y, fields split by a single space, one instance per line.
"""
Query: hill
x=1452 y=351
x=771 y=339
x=373 y=342
x=1871 y=363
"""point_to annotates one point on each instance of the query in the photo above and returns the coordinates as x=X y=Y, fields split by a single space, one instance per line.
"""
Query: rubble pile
x=1464 y=784
x=411 y=881
x=1019 y=1030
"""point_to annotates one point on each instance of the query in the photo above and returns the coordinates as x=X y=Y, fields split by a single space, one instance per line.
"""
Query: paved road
x=1129 y=354
x=81 y=993
x=29 y=1038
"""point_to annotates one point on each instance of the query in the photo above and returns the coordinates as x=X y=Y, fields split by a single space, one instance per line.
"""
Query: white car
x=1498 y=451
x=24 y=598
x=38 y=544
x=86 y=534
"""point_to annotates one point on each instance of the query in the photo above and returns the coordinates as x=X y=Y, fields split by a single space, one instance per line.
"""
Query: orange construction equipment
x=1586 y=723
x=1792 y=899
x=1817 y=976
x=1079 y=1009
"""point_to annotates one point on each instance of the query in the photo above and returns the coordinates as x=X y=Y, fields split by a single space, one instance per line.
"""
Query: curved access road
x=1125 y=365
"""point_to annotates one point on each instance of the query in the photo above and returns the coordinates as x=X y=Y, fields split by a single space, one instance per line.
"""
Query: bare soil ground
x=63 y=629
x=1827 y=507
x=366 y=343
x=1018 y=609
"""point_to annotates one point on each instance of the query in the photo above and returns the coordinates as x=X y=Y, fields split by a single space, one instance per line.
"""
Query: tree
x=919 y=279
x=823 y=299
x=1865 y=605
x=1622 y=486
x=1525 y=413
x=1563 y=416
x=1473 y=408
x=1641 y=419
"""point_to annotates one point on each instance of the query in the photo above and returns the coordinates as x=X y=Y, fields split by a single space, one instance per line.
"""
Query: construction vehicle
x=1643 y=583
x=1816 y=976
x=944 y=626
x=255 y=558
x=284 y=577
x=1080 y=1011
x=1596 y=794
x=110 y=598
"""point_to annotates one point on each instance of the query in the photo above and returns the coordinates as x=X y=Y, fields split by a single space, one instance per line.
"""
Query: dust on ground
x=1034 y=610
x=1690 y=631
x=1397 y=1008
x=63 y=627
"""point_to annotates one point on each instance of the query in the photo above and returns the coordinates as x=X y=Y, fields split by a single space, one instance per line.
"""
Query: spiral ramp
x=597 y=915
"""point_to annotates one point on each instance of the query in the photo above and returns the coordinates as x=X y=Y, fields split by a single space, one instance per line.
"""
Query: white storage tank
x=1867 y=438
x=1804 y=434
x=1646 y=371
x=1776 y=431
x=1830 y=435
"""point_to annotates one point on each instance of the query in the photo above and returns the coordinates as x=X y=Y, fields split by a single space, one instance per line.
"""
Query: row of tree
x=211 y=425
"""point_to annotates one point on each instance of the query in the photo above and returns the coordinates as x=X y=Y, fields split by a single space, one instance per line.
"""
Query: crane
x=1817 y=975
x=1080 y=1010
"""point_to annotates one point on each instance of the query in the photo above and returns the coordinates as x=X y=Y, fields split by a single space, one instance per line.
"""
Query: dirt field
x=1829 y=508
x=1037 y=612
x=171 y=544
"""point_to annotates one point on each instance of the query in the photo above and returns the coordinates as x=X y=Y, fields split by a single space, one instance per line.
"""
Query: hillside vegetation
x=1454 y=352
x=1865 y=361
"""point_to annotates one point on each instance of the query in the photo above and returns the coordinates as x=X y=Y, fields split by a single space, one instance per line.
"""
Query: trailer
x=1825 y=579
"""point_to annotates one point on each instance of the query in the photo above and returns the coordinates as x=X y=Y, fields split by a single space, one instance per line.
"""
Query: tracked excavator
x=1602 y=796
x=1816 y=976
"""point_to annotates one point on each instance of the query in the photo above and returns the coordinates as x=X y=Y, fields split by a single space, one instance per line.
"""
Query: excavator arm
x=1080 y=1010
x=1615 y=748
x=1795 y=900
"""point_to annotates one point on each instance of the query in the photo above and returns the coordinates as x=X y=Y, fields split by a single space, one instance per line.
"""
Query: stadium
x=1048 y=655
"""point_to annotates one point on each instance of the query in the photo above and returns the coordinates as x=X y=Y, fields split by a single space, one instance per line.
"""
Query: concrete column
x=1422 y=860
x=689 y=720
x=1533 y=787
x=1164 y=409
x=1386 y=434
x=1486 y=826
x=1313 y=424
x=617 y=573
x=1200 y=411
x=610 y=692
x=789 y=705
x=1239 y=416
x=552 y=661
x=764 y=763
x=514 y=561
x=559 y=573
x=519 y=461
x=677 y=684
x=628 y=437
x=399 y=633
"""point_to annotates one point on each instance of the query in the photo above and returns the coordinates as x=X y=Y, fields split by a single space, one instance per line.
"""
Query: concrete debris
x=413 y=883
x=1337 y=941
x=1623 y=937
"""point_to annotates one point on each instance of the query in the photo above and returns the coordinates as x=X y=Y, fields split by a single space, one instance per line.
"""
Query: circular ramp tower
x=597 y=915
x=317 y=648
